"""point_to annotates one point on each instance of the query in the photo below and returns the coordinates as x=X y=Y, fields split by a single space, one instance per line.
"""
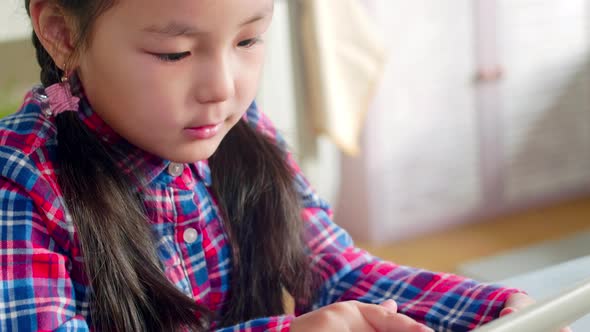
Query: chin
x=194 y=153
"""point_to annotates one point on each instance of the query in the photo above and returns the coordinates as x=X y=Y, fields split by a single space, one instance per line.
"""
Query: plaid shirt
x=42 y=280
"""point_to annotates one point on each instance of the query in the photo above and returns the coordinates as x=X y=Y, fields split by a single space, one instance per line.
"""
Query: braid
x=50 y=72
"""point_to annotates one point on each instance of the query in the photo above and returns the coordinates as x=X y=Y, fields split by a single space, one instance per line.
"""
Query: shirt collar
x=141 y=166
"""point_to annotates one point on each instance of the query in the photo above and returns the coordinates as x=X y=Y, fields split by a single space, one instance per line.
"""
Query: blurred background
x=449 y=135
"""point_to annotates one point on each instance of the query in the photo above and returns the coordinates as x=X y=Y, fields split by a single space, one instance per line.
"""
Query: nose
x=216 y=80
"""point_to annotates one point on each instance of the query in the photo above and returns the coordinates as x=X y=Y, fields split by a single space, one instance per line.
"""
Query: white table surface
x=552 y=280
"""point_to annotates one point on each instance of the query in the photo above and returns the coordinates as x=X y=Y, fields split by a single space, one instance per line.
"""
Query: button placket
x=174 y=196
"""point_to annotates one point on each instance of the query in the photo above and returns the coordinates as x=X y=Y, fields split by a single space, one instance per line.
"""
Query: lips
x=204 y=127
x=204 y=132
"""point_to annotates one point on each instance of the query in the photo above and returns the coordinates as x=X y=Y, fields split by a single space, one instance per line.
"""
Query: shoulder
x=262 y=123
x=31 y=198
x=28 y=141
x=28 y=129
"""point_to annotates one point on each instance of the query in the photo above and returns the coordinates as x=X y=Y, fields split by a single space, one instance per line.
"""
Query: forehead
x=207 y=15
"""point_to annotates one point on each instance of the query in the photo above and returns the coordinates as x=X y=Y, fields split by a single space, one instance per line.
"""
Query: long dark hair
x=259 y=204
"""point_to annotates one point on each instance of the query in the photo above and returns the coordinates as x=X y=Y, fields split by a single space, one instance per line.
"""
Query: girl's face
x=173 y=76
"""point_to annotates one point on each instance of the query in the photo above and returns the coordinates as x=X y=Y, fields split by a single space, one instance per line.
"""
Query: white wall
x=14 y=23
x=443 y=148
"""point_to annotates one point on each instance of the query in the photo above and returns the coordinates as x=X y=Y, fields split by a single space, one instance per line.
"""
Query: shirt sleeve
x=445 y=302
x=36 y=290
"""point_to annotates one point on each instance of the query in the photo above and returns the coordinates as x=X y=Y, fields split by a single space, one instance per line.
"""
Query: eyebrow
x=177 y=28
x=174 y=29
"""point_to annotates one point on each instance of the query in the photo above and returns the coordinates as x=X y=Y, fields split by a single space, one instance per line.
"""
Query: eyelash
x=250 y=42
x=174 y=57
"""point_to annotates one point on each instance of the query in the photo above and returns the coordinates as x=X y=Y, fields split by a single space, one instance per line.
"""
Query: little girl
x=142 y=190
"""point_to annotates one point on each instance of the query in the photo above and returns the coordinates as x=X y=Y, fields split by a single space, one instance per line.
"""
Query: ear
x=54 y=30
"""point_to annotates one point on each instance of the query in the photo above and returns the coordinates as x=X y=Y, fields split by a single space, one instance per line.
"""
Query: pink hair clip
x=60 y=98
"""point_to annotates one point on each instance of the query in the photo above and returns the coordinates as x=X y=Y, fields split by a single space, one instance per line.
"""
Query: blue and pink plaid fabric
x=42 y=281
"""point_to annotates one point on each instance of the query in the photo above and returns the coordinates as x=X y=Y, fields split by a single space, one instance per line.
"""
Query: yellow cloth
x=344 y=58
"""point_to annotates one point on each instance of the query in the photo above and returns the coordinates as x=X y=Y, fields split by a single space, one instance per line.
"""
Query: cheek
x=137 y=107
x=248 y=77
x=126 y=71
x=132 y=81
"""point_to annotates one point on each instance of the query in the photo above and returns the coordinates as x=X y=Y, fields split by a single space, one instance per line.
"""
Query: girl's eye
x=249 y=42
x=172 y=57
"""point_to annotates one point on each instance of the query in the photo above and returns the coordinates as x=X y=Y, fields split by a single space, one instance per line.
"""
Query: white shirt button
x=175 y=169
x=190 y=235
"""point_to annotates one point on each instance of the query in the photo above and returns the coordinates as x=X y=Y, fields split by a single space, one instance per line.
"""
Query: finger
x=506 y=311
x=566 y=329
x=390 y=305
x=519 y=301
x=383 y=320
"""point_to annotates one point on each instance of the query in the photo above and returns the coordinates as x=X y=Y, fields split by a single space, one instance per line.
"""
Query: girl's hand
x=355 y=316
x=519 y=301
